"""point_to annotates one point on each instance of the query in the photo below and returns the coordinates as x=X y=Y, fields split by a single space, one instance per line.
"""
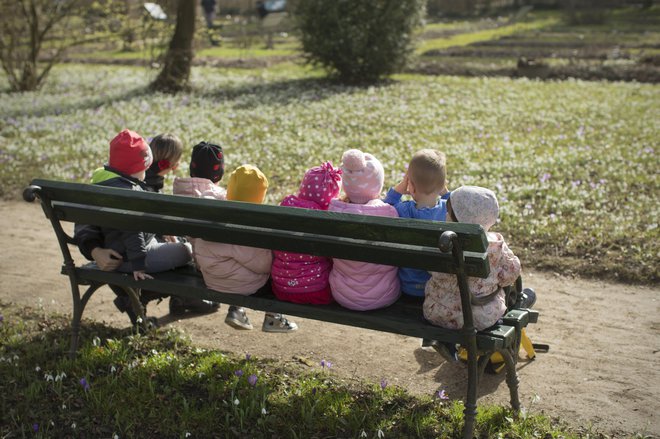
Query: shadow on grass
x=62 y=107
x=284 y=92
x=244 y=97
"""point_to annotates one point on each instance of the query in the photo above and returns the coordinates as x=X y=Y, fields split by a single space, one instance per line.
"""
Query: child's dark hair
x=167 y=150
x=207 y=161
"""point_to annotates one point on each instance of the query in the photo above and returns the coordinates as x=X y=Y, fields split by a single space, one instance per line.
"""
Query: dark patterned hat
x=207 y=161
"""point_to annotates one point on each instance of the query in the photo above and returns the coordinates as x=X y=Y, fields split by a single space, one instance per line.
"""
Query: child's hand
x=141 y=275
x=106 y=258
x=402 y=186
x=169 y=238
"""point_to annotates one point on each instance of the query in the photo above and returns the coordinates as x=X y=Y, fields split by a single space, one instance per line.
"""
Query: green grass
x=573 y=163
x=256 y=51
x=464 y=39
x=159 y=385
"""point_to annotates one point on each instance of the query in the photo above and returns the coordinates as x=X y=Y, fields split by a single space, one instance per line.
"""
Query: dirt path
x=602 y=369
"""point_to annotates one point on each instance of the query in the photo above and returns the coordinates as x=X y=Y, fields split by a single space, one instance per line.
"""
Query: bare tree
x=175 y=75
x=25 y=28
x=35 y=34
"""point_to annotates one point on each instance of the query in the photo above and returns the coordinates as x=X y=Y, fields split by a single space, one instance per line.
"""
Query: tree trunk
x=176 y=69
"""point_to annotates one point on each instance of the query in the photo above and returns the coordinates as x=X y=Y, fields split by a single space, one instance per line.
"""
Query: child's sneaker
x=527 y=298
x=237 y=318
x=277 y=323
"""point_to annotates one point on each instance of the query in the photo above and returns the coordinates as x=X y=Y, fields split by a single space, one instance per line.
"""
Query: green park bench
x=434 y=246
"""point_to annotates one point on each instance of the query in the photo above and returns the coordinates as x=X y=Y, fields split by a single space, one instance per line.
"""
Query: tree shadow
x=284 y=92
x=62 y=107
x=244 y=97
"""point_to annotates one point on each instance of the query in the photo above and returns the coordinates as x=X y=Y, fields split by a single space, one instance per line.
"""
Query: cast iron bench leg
x=470 y=411
x=511 y=377
x=79 y=304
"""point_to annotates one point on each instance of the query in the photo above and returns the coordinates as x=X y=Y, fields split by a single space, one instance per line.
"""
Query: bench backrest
x=392 y=241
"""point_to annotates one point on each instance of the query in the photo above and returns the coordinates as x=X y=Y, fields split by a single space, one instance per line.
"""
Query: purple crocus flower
x=238 y=373
x=325 y=363
x=247 y=357
x=442 y=394
x=252 y=379
x=35 y=427
x=84 y=384
x=2 y=318
x=383 y=383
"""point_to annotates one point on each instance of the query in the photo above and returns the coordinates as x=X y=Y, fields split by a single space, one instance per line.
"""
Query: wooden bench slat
x=396 y=230
x=425 y=258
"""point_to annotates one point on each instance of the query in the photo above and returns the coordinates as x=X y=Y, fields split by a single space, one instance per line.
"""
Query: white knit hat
x=362 y=176
x=475 y=205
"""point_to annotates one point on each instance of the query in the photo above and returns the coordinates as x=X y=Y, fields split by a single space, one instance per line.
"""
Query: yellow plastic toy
x=496 y=360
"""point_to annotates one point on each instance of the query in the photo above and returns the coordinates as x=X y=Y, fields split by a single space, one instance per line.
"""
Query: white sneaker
x=278 y=323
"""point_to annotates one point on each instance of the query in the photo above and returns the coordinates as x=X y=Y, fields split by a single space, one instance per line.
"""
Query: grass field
x=574 y=163
x=124 y=385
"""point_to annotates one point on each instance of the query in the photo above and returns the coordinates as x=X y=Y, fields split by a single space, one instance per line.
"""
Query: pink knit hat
x=321 y=184
x=363 y=176
x=129 y=153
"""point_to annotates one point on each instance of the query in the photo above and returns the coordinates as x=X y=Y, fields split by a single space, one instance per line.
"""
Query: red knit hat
x=129 y=153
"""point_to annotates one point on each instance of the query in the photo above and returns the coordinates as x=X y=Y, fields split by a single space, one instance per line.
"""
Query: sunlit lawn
x=574 y=163
x=125 y=386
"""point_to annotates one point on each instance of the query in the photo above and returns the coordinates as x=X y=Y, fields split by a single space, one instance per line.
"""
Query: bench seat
x=403 y=317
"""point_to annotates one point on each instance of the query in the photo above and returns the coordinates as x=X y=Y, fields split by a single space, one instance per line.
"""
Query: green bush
x=359 y=41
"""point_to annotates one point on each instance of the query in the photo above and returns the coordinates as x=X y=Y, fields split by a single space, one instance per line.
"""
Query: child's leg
x=163 y=256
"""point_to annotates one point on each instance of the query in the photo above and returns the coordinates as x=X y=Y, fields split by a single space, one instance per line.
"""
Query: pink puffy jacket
x=198 y=188
x=225 y=267
x=360 y=285
x=301 y=278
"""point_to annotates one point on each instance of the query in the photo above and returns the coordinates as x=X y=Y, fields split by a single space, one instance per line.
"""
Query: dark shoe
x=527 y=298
x=447 y=351
x=179 y=305
x=148 y=296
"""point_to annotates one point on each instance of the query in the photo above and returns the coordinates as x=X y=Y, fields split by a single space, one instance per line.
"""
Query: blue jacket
x=413 y=280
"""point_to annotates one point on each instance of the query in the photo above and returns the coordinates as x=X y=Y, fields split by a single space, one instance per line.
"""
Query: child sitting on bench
x=130 y=156
x=301 y=278
x=359 y=285
x=240 y=269
x=442 y=304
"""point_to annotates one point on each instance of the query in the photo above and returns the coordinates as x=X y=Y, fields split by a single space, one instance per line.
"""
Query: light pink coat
x=442 y=305
x=198 y=188
x=225 y=267
x=360 y=285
